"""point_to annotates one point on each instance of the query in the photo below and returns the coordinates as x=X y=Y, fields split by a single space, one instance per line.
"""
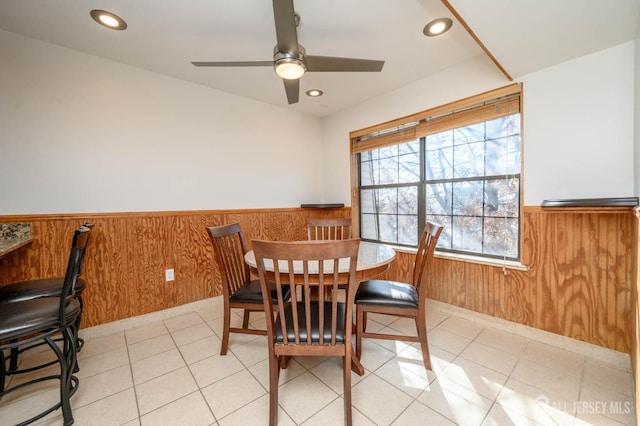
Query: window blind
x=486 y=106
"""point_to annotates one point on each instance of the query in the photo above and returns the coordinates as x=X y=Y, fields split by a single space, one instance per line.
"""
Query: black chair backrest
x=76 y=257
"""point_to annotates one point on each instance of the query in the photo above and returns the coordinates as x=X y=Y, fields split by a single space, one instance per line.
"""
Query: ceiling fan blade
x=286 y=35
x=332 y=64
x=292 y=87
x=234 y=64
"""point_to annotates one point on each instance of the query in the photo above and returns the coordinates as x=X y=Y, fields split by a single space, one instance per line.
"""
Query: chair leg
x=421 y=325
x=346 y=371
x=274 y=373
x=66 y=364
x=3 y=371
x=360 y=329
x=79 y=340
x=72 y=357
x=71 y=348
x=245 y=319
x=284 y=362
x=225 y=330
x=13 y=358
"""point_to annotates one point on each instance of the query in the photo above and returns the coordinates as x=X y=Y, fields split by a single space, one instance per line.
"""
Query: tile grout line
x=133 y=383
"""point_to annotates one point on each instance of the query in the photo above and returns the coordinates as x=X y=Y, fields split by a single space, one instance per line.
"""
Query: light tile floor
x=165 y=369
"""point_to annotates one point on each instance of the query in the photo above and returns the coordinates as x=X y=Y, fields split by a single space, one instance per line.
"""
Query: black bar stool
x=38 y=321
x=35 y=289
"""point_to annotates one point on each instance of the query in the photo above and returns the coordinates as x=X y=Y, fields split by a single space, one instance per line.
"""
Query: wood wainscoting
x=579 y=282
x=128 y=254
x=635 y=310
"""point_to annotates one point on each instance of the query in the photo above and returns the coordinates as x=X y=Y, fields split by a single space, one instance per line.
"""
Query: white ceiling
x=164 y=36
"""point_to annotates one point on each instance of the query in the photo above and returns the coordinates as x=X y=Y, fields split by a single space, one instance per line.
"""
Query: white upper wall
x=84 y=134
x=578 y=124
x=636 y=152
x=578 y=128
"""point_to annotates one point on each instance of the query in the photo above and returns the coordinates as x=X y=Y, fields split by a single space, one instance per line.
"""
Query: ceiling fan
x=290 y=60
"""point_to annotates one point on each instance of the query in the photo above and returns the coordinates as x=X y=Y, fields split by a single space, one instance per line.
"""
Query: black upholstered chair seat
x=251 y=293
x=387 y=293
x=315 y=328
x=34 y=316
x=33 y=289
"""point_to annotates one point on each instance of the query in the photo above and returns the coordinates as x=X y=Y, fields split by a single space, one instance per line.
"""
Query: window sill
x=508 y=264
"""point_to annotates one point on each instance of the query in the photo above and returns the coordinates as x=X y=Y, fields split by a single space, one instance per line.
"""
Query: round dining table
x=373 y=260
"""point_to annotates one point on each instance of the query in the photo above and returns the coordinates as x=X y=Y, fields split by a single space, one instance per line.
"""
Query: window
x=460 y=168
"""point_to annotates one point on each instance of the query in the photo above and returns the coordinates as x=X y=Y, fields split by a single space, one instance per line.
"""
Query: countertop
x=13 y=236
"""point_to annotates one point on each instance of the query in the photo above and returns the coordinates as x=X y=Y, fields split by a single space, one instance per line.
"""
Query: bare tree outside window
x=466 y=179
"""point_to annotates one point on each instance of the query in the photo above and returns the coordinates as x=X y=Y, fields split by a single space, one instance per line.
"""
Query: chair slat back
x=329 y=229
x=74 y=268
x=314 y=318
x=230 y=248
x=424 y=256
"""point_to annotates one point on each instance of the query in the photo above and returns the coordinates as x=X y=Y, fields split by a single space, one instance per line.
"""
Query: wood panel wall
x=128 y=254
x=578 y=285
x=635 y=309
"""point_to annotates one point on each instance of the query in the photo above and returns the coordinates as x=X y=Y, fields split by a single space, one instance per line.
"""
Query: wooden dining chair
x=306 y=325
x=329 y=229
x=239 y=290
x=400 y=299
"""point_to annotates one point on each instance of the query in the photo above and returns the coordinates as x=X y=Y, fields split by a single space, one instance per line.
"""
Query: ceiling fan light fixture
x=437 y=27
x=290 y=68
x=108 y=19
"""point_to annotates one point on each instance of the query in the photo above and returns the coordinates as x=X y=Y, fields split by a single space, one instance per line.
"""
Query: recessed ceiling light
x=314 y=93
x=108 y=19
x=437 y=27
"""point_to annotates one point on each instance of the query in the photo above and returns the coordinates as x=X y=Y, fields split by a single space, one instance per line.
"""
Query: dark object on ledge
x=322 y=206
x=592 y=202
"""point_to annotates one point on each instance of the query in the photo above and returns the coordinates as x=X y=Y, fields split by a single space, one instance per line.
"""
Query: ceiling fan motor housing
x=289 y=65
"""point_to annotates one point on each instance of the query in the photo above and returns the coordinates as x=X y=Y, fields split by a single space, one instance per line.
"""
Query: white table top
x=370 y=255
